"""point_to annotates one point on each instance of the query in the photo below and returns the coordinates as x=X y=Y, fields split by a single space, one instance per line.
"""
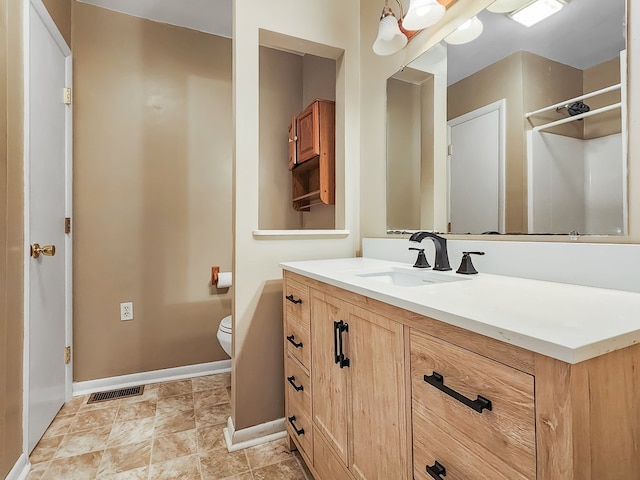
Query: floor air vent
x=114 y=394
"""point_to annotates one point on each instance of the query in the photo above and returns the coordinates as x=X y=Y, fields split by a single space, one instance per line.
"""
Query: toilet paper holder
x=221 y=281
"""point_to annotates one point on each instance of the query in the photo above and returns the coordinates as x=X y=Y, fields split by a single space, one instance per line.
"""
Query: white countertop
x=568 y=322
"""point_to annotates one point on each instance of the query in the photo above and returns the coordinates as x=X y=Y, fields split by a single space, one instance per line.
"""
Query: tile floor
x=172 y=431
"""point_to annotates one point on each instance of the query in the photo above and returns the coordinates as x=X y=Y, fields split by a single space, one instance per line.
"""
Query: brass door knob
x=37 y=250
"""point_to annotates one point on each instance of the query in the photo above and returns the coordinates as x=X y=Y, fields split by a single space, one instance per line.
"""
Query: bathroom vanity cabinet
x=374 y=391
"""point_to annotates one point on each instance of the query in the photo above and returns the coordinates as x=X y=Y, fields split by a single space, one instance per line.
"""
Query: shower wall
x=604 y=178
x=575 y=184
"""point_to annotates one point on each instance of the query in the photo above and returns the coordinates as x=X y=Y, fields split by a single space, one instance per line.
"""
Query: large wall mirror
x=534 y=124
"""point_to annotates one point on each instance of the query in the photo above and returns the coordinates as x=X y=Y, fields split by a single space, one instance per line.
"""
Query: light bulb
x=423 y=14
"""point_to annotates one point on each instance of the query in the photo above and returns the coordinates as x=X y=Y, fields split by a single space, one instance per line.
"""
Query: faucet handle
x=466 y=266
x=421 y=261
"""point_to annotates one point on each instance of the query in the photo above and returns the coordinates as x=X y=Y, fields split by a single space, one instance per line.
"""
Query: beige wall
x=152 y=192
x=280 y=99
x=11 y=238
x=60 y=11
x=595 y=78
x=257 y=393
x=428 y=124
x=545 y=83
x=404 y=154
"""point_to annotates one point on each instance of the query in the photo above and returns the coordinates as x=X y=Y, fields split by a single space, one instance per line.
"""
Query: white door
x=47 y=130
x=476 y=170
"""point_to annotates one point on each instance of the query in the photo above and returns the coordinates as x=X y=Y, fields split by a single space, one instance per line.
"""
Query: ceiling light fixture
x=536 y=11
x=465 y=33
x=390 y=39
x=423 y=14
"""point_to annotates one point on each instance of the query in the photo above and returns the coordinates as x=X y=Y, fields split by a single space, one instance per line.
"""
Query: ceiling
x=583 y=34
x=210 y=16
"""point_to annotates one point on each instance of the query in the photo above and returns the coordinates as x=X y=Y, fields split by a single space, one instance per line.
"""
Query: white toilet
x=224 y=334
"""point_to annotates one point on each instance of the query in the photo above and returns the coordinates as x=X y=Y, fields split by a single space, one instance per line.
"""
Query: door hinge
x=67 y=355
x=450 y=150
x=67 y=225
x=67 y=96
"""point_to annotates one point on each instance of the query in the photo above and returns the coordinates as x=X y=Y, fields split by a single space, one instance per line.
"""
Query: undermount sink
x=407 y=278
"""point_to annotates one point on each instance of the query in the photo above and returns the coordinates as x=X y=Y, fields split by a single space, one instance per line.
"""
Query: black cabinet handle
x=336 y=356
x=478 y=404
x=293 y=342
x=341 y=358
x=436 y=470
x=292 y=381
x=299 y=431
x=293 y=300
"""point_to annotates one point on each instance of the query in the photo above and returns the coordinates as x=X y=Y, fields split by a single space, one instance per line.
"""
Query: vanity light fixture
x=536 y=11
x=423 y=14
x=390 y=38
x=465 y=33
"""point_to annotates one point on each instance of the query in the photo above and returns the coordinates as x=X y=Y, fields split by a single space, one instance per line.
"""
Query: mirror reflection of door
x=476 y=170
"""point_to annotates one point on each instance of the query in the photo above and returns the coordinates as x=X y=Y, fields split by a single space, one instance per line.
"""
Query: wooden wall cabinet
x=418 y=398
x=312 y=155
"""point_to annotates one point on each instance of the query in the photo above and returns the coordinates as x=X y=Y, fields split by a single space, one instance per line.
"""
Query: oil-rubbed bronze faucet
x=442 y=257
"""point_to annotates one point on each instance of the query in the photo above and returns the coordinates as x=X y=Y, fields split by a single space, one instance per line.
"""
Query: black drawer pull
x=292 y=381
x=293 y=300
x=436 y=470
x=336 y=356
x=299 y=431
x=293 y=342
x=341 y=357
x=478 y=404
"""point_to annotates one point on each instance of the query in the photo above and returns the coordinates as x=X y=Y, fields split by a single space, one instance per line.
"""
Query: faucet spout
x=442 y=257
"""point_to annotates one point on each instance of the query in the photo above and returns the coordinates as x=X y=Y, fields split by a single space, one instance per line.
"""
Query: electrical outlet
x=126 y=311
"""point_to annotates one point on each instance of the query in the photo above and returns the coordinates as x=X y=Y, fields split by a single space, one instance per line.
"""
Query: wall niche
x=289 y=83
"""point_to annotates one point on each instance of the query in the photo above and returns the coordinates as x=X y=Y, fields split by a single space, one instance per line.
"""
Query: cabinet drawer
x=296 y=301
x=506 y=430
x=297 y=340
x=463 y=459
x=300 y=427
x=297 y=386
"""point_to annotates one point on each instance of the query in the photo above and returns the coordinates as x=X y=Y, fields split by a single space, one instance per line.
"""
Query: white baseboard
x=155 y=376
x=21 y=469
x=252 y=436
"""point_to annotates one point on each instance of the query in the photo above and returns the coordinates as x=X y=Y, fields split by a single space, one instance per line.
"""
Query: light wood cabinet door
x=330 y=382
x=377 y=433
